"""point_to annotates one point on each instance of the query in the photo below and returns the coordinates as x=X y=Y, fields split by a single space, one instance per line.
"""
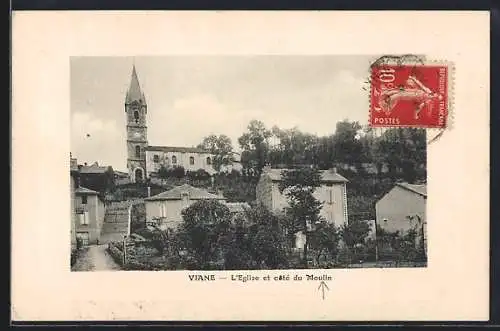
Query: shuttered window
x=83 y=217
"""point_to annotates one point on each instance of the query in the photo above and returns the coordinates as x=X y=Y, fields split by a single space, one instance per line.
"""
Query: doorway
x=83 y=237
x=138 y=176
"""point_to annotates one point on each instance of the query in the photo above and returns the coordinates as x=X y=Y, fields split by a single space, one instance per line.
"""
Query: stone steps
x=114 y=227
x=115 y=224
x=110 y=237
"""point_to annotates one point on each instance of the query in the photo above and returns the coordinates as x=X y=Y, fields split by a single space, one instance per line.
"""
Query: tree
x=163 y=173
x=221 y=148
x=110 y=179
x=354 y=234
x=178 y=172
x=298 y=185
x=346 y=145
x=205 y=225
x=324 y=152
x=405 y=152
x=325 y=239
x=386 y=239
x=255 y=146
x=294 y=147
x=238 y=246
x=268 y=244
x=199 y=175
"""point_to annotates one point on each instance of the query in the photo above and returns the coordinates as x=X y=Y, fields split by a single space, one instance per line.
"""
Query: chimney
x=334 y=170
x=220 y=193
x=149 y=191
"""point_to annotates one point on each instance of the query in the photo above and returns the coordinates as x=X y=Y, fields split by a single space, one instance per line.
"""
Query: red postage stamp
x=409 y=95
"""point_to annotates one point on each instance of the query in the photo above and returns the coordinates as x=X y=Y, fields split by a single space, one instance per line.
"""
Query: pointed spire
x=134 y=92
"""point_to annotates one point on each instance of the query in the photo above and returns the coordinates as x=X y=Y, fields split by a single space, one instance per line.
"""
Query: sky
x=190 y=97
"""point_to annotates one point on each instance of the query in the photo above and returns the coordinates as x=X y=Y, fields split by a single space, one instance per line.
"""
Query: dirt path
x=95 y=258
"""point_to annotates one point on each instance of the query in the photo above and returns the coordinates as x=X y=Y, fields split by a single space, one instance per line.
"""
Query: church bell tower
x=137 y=139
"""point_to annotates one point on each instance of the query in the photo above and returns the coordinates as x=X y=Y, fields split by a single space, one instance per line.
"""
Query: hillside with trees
x=208 y=238
x=373 y=160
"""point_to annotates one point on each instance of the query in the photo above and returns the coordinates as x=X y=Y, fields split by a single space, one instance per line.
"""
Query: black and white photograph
x=239 y=163
x=189 y=166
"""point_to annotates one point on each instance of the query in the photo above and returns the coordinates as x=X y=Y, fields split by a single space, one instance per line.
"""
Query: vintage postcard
x=193 y=166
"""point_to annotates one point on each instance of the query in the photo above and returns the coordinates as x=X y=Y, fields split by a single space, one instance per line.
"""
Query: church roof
x=134 y=92
x=176 y=193
x=176 y=149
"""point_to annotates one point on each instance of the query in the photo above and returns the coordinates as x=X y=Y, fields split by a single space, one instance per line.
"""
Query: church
x=143 y=159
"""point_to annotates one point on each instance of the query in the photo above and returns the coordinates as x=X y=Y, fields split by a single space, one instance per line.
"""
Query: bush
x=146 y=233
x=138 y=217
x=199 y=175
x=177 y=172
x=115 y=253
x=73 y=256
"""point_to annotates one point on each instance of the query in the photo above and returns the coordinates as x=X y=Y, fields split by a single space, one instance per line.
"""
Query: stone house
x=165 y=209
x=96 y=177
x=74 y=183
x=89 y=210
x=332 y=193
x=402 y=201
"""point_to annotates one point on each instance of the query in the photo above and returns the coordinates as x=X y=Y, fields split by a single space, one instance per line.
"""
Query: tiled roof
x=93 y=169
x=194 y=193
x=83 y=190
x=416 y=188
x=120 y=173
x=237 y=207
x=326 y=175
x=176 y=149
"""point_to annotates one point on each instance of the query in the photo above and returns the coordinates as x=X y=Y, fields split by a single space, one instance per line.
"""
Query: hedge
x=115 y=253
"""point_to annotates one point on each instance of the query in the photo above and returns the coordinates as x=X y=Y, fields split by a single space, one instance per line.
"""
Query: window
x=136 y=116
x=83 y=237
x=84 y=199
x=331 y=196
x=83 y=217
x=209 y=160
x=156 y=158
x=137 y=151
x=191 y=160
x=138 y=175
x=174 y=159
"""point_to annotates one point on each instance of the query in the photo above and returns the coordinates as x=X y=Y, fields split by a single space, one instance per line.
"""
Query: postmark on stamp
x=407 y=91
